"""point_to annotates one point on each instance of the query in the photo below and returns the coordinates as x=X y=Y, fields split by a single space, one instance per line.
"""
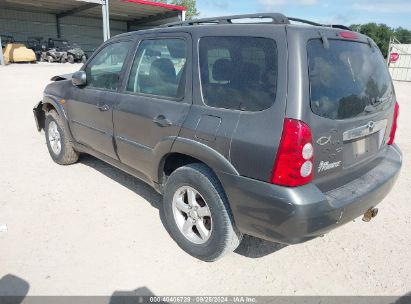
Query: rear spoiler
x=61 y=77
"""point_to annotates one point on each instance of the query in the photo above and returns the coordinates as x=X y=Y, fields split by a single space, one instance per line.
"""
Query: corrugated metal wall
x=86 y=32
x=21 y=25
x=401 y=69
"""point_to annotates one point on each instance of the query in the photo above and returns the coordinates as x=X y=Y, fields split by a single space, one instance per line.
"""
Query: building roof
x=126 y=10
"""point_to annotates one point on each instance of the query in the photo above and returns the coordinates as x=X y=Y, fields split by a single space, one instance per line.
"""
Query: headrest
x=250 y=72
x=223 y=70
x=163 y=69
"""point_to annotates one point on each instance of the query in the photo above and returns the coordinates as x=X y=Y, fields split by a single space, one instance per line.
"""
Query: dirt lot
x=90 y=229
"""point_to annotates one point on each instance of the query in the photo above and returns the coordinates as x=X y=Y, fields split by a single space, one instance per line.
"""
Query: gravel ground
x=90 y=229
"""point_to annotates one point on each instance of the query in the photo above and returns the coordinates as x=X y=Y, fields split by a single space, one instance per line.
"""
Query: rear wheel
x=50 y=59
x=60 y=148
x=197 y=213
x=70 y=58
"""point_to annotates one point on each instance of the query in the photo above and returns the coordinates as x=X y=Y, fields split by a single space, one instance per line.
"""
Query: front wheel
x=197 y=213
x=60 y=148
x=70 y=58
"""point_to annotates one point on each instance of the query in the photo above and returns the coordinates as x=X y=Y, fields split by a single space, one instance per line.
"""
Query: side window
x=159 y=68
x=103 y=72
x=238 y=73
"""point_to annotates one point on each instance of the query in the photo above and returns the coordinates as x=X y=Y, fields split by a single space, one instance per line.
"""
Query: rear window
x=348 y=79
x=238 y=73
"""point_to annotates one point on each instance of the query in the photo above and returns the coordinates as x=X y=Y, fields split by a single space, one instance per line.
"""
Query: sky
x=394 y=13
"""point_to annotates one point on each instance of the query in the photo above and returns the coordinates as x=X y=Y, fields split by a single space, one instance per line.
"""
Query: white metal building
x=82 y=21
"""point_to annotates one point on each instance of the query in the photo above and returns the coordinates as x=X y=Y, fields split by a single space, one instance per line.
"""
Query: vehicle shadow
x=130 y=182
x=254 y=248
x=13 y=289
x=132 y=297
x=406 y=299
x=250 y=247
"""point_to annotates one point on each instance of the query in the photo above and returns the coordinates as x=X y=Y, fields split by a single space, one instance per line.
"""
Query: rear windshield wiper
x=370 y=109
x=382 y=99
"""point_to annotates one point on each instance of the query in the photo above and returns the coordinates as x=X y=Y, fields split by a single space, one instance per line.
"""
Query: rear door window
x=238 y=73
x=348 y=79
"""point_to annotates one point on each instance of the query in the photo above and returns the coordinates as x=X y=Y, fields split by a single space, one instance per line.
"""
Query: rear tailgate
x=348 y=101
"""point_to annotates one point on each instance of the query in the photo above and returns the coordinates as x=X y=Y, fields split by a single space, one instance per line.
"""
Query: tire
x=70 y=58
x=64 y=153
x=50 y=59
x=83 y=59
x=63 y=59
x=221 y=235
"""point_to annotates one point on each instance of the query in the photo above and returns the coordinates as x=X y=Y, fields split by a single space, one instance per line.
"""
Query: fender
x=161 y=151
x=55 y=102
x=40 y=109
x=212 y=158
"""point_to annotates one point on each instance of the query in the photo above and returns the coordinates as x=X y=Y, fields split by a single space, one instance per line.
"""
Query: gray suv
x=261 y=127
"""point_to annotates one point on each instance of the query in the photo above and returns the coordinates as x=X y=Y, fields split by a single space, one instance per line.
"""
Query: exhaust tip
x=370 y=214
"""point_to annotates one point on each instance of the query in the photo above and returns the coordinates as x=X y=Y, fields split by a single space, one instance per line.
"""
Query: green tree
x=381 y=34
x=403 y=35
x=191 y=6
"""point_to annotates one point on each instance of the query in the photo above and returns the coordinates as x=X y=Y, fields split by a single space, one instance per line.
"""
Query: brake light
x=294 y=165
x=394 y=123
x=348 y=35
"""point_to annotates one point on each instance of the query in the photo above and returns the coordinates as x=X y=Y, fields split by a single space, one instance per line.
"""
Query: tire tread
x=69 y=155
x=232 y=238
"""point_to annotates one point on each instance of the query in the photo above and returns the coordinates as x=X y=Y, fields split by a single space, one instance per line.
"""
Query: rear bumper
x=296 y=215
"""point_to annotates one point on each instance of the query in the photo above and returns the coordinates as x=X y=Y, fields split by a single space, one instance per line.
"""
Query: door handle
x=162 y=121
x=103 y=107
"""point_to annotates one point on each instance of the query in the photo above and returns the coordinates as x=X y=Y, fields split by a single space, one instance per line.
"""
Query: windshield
x=348 y=79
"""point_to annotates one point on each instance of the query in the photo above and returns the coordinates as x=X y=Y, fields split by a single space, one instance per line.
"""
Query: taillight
x=394 y=123
x=294 y=165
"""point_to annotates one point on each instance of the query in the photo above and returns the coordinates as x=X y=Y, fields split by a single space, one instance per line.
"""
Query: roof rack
x=276 y=18
x=343 y=27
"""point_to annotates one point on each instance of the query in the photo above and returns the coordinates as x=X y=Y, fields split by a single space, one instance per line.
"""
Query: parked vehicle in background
x=73 y=53
x=53 y=55
x=16 y=52
x=37 y=45
x=271 y=129
x=60 y=50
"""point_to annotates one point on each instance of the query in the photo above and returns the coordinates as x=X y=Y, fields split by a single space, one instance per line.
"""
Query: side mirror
x=79 y=78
